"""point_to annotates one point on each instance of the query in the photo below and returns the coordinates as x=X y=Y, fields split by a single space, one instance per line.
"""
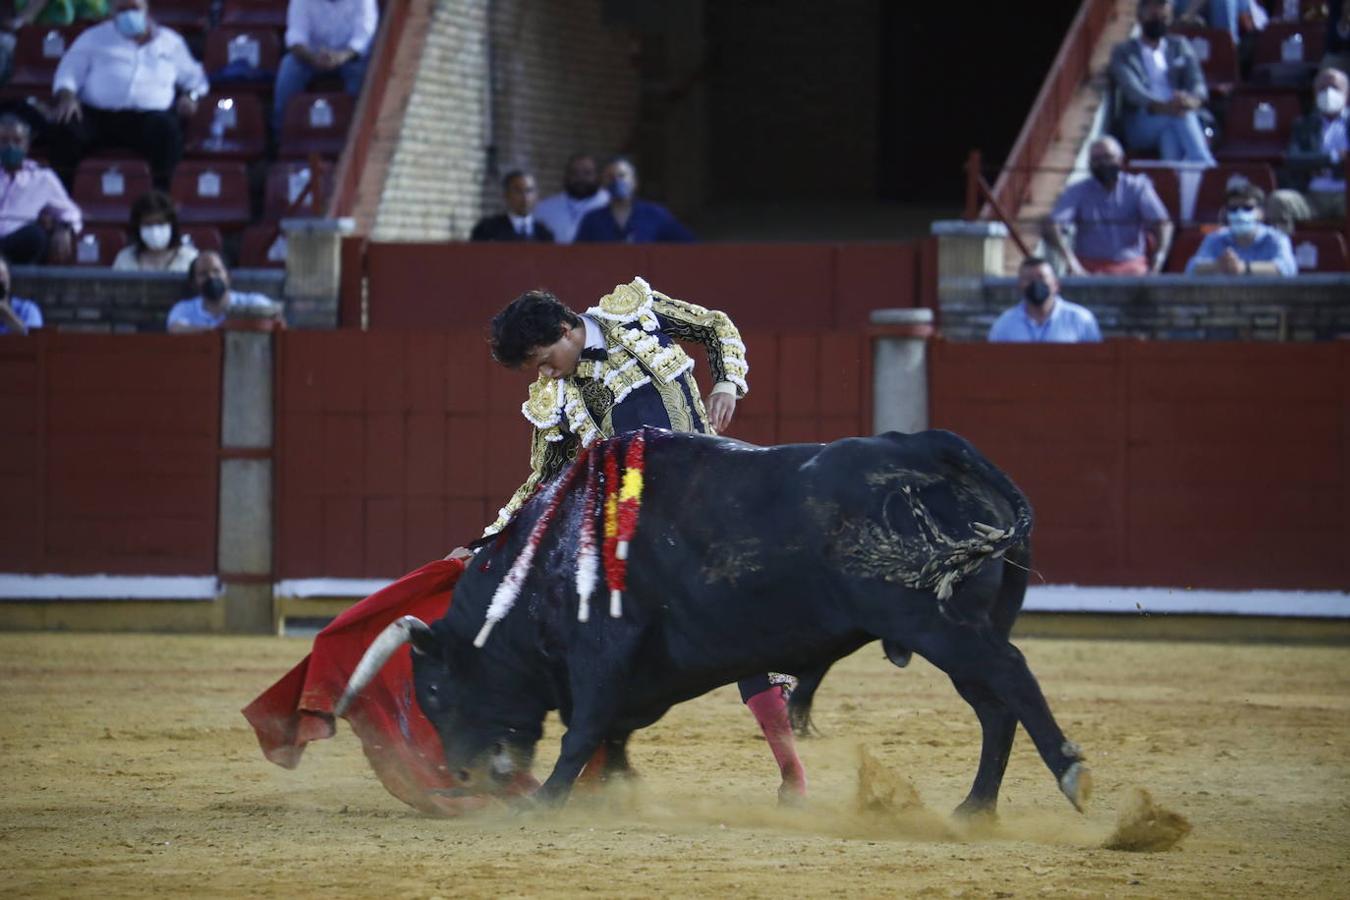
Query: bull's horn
x=381 y=649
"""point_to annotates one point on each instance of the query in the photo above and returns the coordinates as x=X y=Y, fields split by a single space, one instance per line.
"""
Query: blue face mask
x=621 y=188
x=1242 y=221
x=130 y=22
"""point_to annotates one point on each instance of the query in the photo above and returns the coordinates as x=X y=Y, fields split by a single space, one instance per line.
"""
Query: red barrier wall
x=393 y=446
x=108 y=453
x=1172 y=464
x=762 y=286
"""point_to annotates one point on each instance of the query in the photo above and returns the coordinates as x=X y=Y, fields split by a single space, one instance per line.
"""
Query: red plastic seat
x=183 y=15
x=316 y=124
x=261 y=246
x=287 y=190
x=98 y=245
x=37 y=53
x=1166 y=184
x=211 y=192
x=259 y=47
x=242 y=132
x=1217 y=54
x=204 y=237
x=1214 y=184
x=105 y=189
x=1258 y=126
x=1320 y=251
x=1288 y=53
x=1184 y=245
x=265 y=13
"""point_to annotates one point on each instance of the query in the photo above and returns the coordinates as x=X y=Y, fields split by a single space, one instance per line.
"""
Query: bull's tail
x=380 y=651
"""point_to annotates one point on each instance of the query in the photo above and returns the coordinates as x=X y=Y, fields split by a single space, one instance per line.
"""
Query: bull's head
x=488 y=733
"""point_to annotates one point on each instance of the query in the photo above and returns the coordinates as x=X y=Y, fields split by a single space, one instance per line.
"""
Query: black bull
x=745 y=560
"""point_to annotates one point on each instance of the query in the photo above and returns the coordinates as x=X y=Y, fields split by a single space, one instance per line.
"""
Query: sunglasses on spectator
x=1246 y=207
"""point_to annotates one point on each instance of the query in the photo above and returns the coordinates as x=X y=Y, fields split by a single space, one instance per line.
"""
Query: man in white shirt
x=324 y=36
x=215 y=302
x=581 y=193
x=518 y=223
x=125 y=82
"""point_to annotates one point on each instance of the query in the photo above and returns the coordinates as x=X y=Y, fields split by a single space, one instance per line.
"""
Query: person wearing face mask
x=1043 y=316
x=215 y=302
x=626 y=218
x=1246 y=246
x=1160 y=89
x=1314 y=171
x=38 y=220
x=1112 y=213
x=562 y=212
x=125 y=82
x=157 y=243
x=17 y=316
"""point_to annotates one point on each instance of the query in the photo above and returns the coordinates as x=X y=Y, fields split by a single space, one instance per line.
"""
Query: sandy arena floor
x=128 y=771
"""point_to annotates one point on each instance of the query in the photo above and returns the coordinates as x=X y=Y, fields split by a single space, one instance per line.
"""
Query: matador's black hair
x=534 y=319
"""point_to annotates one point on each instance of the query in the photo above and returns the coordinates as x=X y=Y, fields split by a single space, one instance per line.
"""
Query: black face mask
x=1036 y=293
x=213 y=288
x=4 y=290
x=1106 y=173
x=581 y=190
x=1153 y=28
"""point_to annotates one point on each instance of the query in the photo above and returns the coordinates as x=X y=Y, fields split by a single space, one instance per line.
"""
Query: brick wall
x=1178 y=308
x=499 y=86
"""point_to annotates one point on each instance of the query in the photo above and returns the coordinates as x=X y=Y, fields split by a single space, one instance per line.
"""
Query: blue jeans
x=1174 y=137
x=294 y=75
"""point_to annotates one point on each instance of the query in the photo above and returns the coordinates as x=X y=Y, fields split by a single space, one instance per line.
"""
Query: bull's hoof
x=976 y=812
x=1076 y=783
x=791 y=794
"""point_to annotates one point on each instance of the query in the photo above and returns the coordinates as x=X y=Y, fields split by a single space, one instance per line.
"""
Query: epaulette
x=625 y=303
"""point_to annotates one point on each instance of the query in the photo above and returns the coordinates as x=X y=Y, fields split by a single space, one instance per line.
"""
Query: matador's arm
x=547 y=459
x=715 y=331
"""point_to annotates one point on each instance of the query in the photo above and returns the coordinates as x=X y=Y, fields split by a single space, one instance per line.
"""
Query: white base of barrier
x=109 y=587
x=1069 y=598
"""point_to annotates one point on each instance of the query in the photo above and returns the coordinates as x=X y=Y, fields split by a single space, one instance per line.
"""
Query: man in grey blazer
x=1159 y=88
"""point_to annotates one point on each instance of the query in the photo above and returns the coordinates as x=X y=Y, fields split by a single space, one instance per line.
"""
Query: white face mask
x=156 y=237
x=1331 y=100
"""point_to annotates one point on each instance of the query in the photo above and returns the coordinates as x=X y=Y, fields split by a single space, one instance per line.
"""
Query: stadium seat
x=98 y=245
x=286 y=182
x=183 y=15
x=256 y=48
x=211 y=192
x=227 y=125
x=1214 y=183
x=263 y=13
x=263 y=246
x=1217 y=54
x=1184 y=245
x=204 y=237
x=1258 y=125
x=1288 y=53
x=104 y=189
x=316 y=124
x=37 y=53
x=1165 y=182
x=1320 y=251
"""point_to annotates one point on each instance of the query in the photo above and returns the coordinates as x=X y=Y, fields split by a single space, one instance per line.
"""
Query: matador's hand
x=721 y=407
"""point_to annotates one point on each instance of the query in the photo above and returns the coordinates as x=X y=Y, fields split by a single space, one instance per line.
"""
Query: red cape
x=401 y=744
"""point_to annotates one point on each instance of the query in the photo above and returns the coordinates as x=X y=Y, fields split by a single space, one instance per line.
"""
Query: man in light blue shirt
x=215 y=302
x=1043 y=316
x=1246 y=246
x=17 y=316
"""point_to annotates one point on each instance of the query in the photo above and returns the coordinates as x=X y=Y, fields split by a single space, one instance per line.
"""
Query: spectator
x=215 y=302
x=324 y=36
x=581 y=193
x=1315 y=161
x=55 y=12
x=17 y=316
x=1043 y=316
x=1112 y=213
x=156 y=240
x=1161 y=89
x=125 y=83
x=627 y=218
x=1338 y=36
x=1246 y=246
x=518 y=223
x=1233 y=16
x=38 y=221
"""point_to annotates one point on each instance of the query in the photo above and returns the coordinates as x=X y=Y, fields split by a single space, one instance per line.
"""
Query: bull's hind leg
x=998 y=725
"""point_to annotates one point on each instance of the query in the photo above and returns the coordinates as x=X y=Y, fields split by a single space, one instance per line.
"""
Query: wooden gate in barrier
x=1167 y=464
